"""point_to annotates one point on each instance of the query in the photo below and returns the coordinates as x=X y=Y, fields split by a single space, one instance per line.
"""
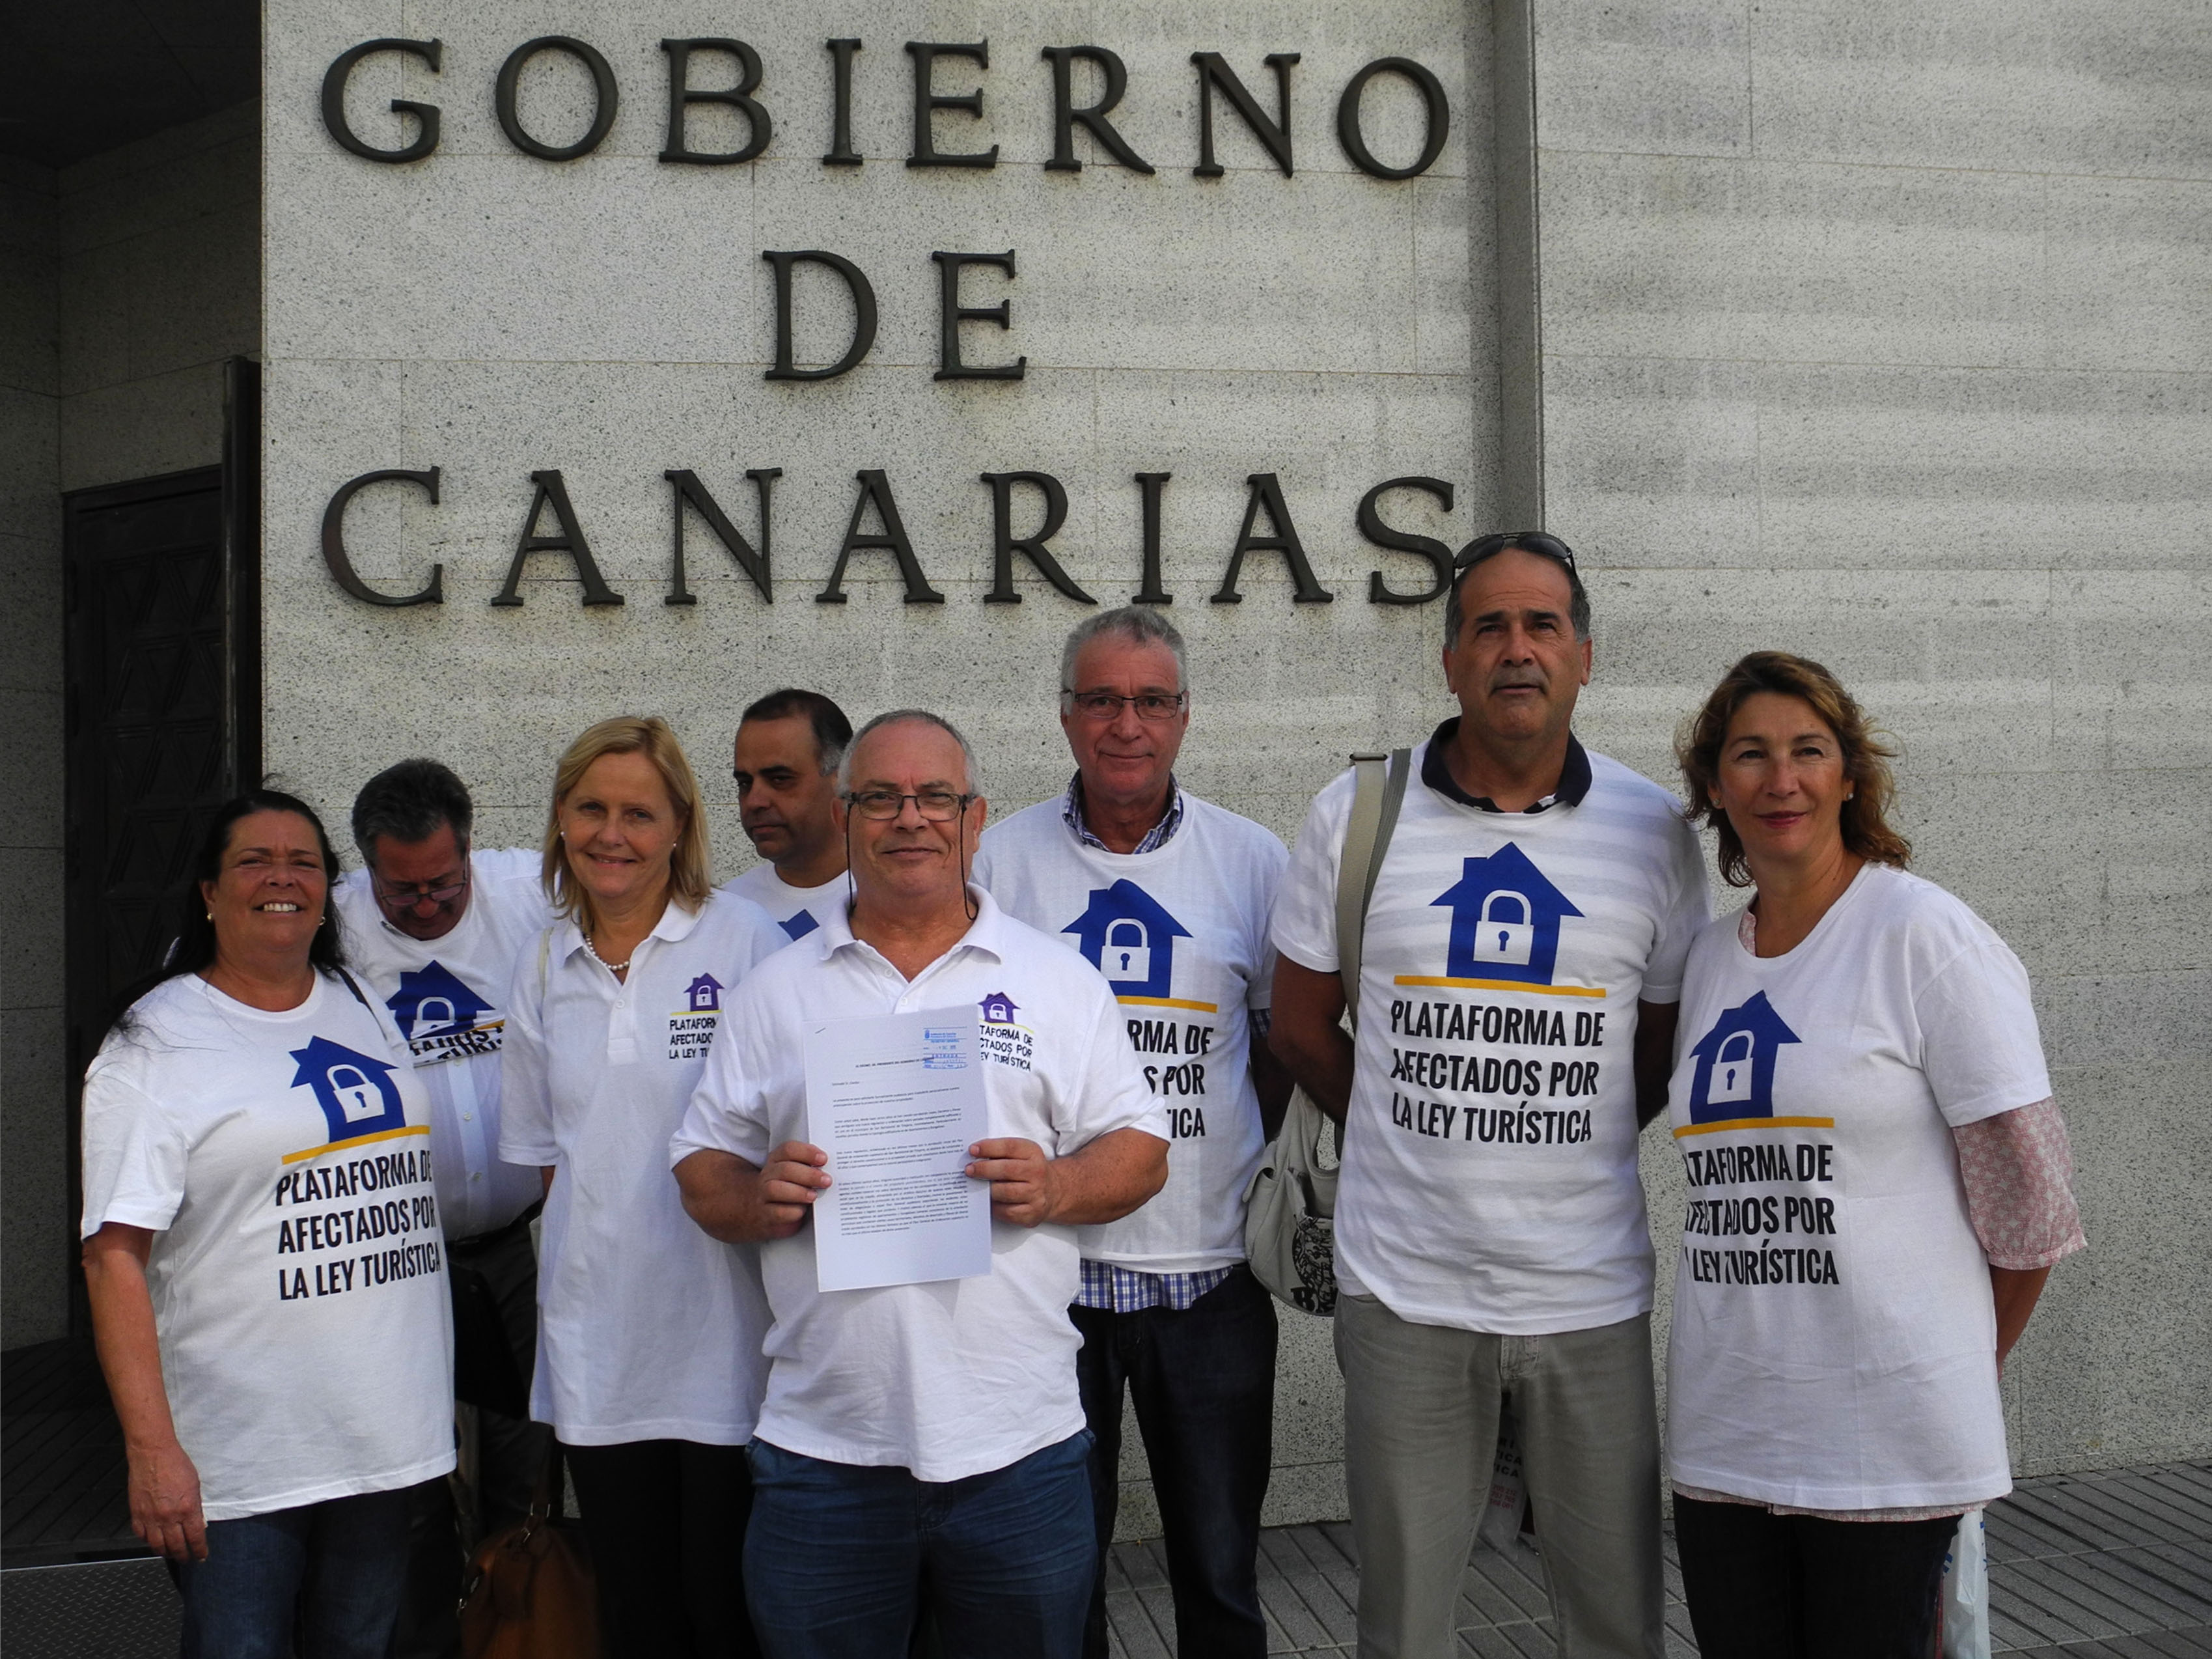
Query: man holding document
x=913 y=1107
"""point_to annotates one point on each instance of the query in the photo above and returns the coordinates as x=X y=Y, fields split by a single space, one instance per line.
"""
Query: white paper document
x=896 y=1101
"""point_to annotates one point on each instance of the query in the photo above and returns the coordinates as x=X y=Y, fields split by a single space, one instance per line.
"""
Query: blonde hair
x=689 y=880
x=1865 y=812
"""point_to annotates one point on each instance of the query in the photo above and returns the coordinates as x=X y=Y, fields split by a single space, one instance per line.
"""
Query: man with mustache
x=785 y=761
x=1520 y=964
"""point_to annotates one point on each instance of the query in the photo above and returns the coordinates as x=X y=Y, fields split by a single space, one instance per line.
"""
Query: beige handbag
x=1290 y=1208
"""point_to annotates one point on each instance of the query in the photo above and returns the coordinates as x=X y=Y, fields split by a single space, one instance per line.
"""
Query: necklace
x=611 y=967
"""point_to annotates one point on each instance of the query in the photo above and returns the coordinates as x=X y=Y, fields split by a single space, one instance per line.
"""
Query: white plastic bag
x=1964 y=1602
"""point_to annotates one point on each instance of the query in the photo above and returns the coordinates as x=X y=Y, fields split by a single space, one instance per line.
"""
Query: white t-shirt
x=283 y=1164
x=1835 y=1340
x=1489 y=1179
x=1181 y=934
x=448 y=997
x=963 y=1377
x=798 y=910
x=648 y=1329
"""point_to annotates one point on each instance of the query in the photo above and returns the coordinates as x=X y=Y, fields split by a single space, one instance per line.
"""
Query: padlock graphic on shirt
x=1127 y=953
x=425 y=1020
x=357 y=1096
x=1731 y=1078
x=1500 y=940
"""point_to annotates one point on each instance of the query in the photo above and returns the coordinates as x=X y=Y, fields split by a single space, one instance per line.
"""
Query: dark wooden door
x=161 y=666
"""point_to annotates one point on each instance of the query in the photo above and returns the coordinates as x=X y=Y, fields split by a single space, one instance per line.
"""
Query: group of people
x=317 y=1151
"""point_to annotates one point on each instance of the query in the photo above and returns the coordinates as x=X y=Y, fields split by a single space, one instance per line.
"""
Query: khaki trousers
x=1420 y=1434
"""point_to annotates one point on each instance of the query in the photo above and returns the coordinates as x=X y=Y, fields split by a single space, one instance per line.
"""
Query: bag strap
x=1379 y=790
x=354 y=989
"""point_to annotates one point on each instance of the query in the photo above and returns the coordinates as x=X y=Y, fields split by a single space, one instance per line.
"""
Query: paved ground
x=2117 y=1565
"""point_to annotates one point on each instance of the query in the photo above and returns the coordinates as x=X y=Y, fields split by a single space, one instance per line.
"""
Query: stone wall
x=1880 y=333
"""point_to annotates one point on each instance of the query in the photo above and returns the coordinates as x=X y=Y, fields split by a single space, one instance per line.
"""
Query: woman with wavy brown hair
x=649 y=1366
x=1878 y=1186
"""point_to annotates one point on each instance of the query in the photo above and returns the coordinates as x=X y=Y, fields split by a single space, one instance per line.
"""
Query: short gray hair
x=1133 y=623
x=917 y=717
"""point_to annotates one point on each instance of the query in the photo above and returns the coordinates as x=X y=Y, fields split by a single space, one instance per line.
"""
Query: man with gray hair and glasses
x=933 y=1432
x=1168 y=896
x=433 y=927
x=1519 y=968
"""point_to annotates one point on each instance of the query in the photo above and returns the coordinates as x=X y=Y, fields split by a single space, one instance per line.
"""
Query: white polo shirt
x=1489 y=1179
x=448 y=997
x=798 y=910
x=1834 y=1342
x=954 y=1378
x=1180 y=934
x=648 y=1329
x=282 y=1163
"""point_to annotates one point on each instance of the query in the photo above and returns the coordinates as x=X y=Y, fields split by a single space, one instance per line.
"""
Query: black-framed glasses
x=411 y=897
x=1107 y=705
x=1529 y=541
x=935 y=805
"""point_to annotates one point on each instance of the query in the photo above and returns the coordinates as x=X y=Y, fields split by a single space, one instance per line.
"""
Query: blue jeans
x=339 y=1566
x=837 y=1552
x=1204 y=1384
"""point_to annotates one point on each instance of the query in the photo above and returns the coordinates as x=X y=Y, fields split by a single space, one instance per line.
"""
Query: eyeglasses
x=1529 y=541
x=935 y=805
x=414 y=896
x=1106 y=706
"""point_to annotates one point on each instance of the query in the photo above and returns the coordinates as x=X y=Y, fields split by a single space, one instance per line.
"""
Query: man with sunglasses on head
x=432 y=928
x=1521 y=962
x=925 y=1433
x=1167 y=897
x=785 y=761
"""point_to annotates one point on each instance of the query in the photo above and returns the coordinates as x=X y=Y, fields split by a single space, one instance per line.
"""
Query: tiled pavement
x=2114 y=1566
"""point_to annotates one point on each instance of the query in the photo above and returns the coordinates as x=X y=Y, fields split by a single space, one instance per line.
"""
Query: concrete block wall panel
x=1879 y=333
x=159 y=261
x=493 y=315
x=33 y=1160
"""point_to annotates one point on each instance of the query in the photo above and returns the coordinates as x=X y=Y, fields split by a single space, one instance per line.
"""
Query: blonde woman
x=649 y=1366
x=1878 y=1187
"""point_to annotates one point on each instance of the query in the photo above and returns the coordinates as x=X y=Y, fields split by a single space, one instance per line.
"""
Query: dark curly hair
x=1866 y=757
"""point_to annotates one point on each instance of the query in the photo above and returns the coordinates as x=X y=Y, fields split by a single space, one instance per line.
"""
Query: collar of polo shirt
x=1574 y=773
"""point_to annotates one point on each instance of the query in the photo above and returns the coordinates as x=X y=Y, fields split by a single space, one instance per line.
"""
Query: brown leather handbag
x=531 y=1592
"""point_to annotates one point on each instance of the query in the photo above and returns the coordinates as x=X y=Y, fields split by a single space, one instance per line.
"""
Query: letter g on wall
x=334 y=90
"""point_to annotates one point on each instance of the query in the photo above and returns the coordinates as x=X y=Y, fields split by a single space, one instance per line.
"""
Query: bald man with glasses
x=1167 y=896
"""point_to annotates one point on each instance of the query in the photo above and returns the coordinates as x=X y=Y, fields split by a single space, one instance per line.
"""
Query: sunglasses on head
x=1529 y=541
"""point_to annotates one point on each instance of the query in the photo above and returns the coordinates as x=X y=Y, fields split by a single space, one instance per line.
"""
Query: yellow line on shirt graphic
x=1501 y=985
x=1755 y=1123
x=1167 y=1002
x=357 y=1140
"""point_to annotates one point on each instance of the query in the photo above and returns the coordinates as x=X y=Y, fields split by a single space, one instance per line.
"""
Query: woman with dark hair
x=1879 y=1187
x=262 y=1254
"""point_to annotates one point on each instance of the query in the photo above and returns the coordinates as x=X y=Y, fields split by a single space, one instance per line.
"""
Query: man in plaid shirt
x=1168 y=896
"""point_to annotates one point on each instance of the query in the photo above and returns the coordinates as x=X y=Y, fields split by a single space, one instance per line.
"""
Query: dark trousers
x=839 y=1554
x=665 y=1520
x=1203 y=1381
x=1766 y=1586
x=494 y=1294
x=330 y=1572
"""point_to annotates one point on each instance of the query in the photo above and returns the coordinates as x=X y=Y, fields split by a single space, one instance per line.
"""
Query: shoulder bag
x=1290 y=1229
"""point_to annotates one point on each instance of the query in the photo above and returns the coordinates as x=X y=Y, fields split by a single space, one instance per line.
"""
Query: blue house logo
x=1129 y=938
x=1504 y=920
x=998 y=1009
x=703 y=995
x=356 y=1092
x=1736 y=1063
x=799 y=924
x=434 y=1000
